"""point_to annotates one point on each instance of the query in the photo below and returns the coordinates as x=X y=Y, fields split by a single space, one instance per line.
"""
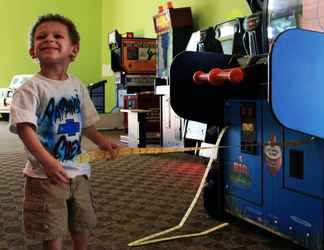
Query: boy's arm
x=53 y=169
x=101 y=141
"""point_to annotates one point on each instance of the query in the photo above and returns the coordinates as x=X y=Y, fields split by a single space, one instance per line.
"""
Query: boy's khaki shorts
x=51 y=210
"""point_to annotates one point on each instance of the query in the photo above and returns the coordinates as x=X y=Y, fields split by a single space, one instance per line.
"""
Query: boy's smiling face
x=52 y=44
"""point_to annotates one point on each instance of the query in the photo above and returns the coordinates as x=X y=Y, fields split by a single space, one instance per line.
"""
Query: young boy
x=50 y=113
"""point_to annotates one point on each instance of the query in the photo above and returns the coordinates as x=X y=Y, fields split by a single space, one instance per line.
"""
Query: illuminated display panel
x=225 y=34
x=305 y=14
x=139 y=55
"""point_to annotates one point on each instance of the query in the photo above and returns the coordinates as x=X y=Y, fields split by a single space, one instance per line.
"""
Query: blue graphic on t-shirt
x=59 y=142
x=59 y=111
x=70 y=127
x=65 y=149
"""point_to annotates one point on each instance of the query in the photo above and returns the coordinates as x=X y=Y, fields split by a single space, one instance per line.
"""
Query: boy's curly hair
x=73 y=33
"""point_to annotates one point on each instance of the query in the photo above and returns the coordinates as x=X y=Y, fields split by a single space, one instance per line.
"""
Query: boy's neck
x=54 y=73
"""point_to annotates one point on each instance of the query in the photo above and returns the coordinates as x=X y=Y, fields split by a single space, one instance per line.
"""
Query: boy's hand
x=56 y=173
x=102 y=142
x=52 y=167
x=112 y=148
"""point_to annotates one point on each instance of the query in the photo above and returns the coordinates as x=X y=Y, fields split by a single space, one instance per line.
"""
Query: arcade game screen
x=305 y=14
x=224 y=33
x=227 y=45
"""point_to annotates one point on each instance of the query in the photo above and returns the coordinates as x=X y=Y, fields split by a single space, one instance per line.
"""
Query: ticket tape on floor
x=153 y=238
x=97 y=154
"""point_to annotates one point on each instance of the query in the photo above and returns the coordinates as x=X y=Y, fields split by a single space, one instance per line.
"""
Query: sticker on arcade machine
x=240 y=173
x=273 y=155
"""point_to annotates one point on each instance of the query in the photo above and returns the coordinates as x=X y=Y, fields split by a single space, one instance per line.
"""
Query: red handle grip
x=218 y=76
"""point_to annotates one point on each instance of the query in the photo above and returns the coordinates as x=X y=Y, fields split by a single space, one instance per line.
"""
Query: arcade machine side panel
x=304 y=161
x=300 y=199
x=301 y=196
x=243 y=164
x=173 y=26
x=164 y=55
x=273 y=155
x=172 y=124
x=295 y=204
x=286 y=210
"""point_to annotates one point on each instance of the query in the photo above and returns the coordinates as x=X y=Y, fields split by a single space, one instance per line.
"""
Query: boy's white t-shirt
x=59 y=110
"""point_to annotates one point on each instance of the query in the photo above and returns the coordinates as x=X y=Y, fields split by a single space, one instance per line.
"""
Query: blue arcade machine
x=269 y=96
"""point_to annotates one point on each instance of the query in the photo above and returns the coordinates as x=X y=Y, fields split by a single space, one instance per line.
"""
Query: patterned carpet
x=135 y=197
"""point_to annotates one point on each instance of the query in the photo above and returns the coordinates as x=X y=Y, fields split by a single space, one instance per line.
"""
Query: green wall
x=136 y=16
x=94 y=20
x=16 y=17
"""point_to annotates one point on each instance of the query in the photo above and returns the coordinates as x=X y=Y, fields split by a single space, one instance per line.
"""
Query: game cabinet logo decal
x=273 y=155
